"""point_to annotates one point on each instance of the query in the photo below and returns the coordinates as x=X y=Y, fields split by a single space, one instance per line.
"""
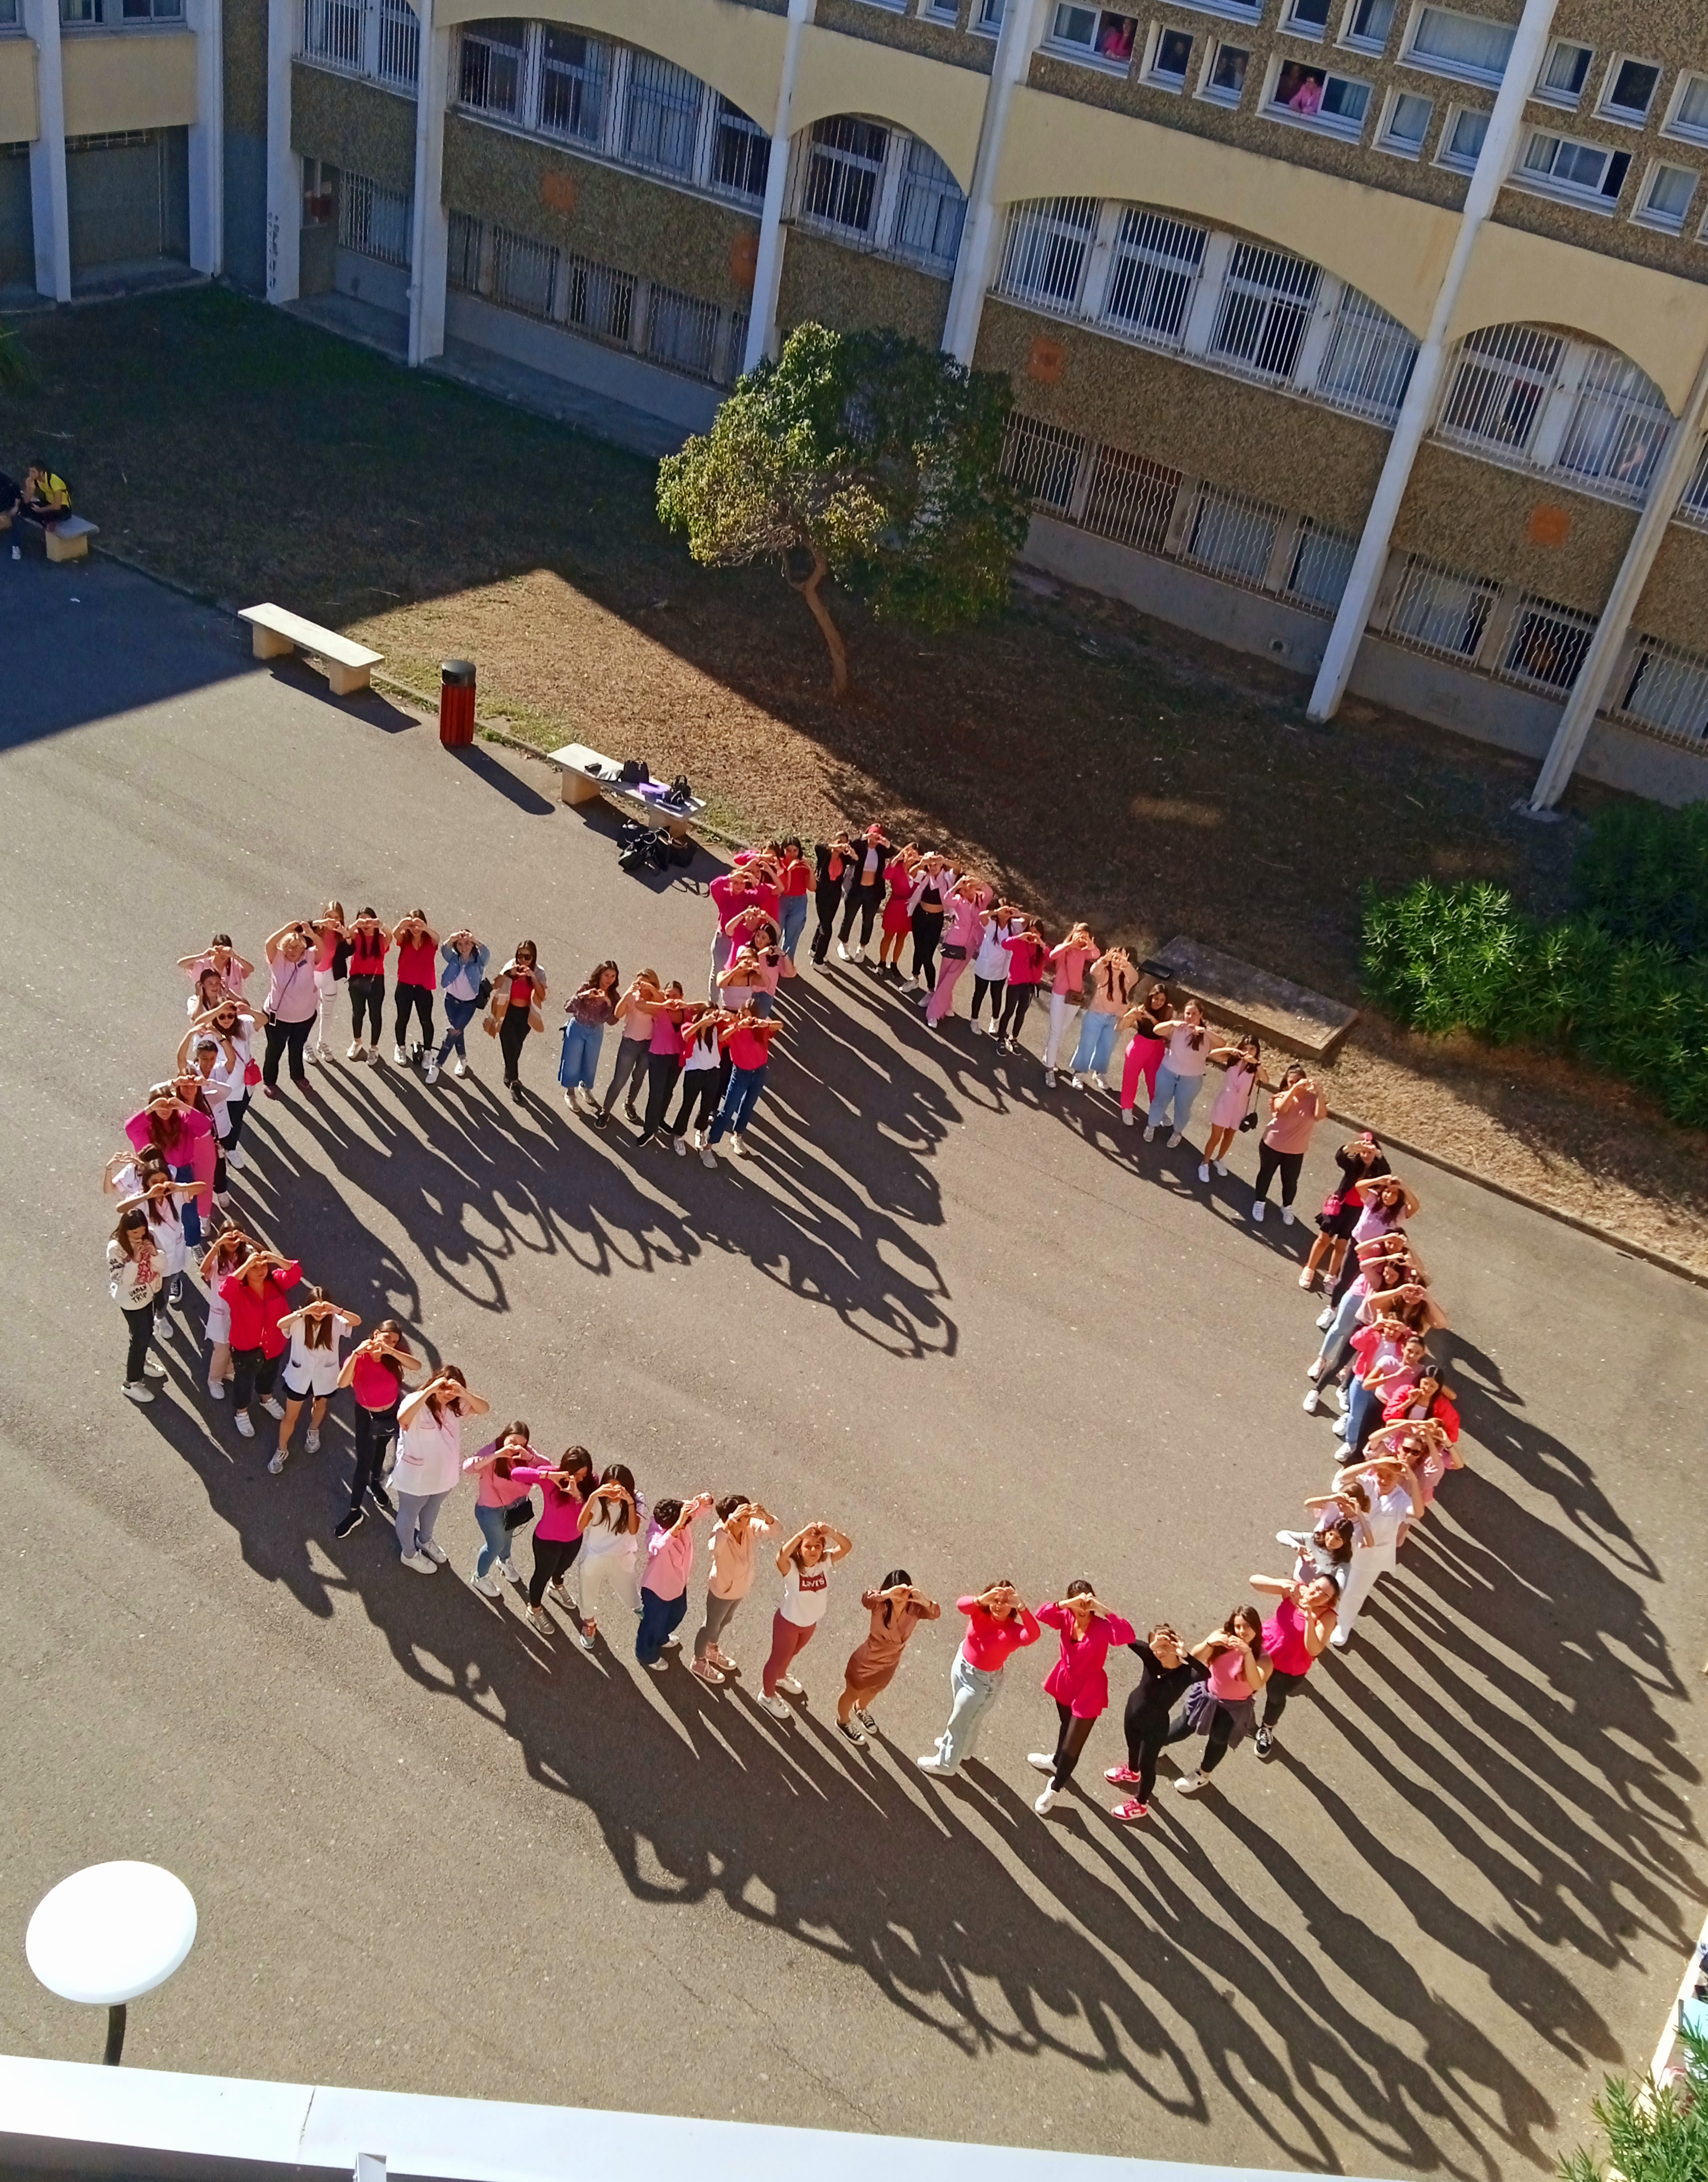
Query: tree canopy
x=867 y=457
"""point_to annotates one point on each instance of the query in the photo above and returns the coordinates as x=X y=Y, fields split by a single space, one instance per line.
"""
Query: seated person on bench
x=46 y=496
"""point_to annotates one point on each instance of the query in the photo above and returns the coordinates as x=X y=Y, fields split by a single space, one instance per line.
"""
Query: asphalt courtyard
x=975 y=1325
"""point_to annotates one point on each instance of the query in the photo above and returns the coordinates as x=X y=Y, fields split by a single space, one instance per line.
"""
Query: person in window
x=1115 y=38
x=1300 y=90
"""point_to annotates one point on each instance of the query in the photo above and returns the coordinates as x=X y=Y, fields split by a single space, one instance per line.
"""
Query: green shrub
x=1653 y=2134
x=1643 y=871
x=1443 y=958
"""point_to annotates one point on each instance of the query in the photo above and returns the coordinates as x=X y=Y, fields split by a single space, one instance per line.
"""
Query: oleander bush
x=1643 y=870
x=1654 y=2134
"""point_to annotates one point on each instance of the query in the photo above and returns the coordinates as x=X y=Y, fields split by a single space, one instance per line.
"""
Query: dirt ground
x=1098 y=763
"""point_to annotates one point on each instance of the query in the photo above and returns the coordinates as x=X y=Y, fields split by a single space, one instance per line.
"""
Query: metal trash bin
x=456 y=703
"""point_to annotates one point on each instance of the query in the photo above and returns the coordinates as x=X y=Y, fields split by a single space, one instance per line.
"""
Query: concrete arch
x=738 y=51
x=943 y=105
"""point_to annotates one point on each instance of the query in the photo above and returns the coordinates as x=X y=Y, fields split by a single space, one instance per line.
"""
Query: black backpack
x=632 y=772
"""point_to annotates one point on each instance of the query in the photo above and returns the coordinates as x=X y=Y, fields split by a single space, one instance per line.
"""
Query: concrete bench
x=347 y=666
x=1245 y=999
x=588 y=774
x=68 y=539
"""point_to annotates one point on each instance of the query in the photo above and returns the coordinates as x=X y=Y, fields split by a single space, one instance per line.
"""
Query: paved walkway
x=983 y=1331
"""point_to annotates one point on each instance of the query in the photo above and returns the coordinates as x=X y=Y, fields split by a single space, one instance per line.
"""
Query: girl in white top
x=233 y=1028
x=158 y=1198
x=701 y=1063
x=1180 y=1073
x=990 y=963
x=233 y=1248
x=613 y=1522
x=429 y=1462
x=804 y=1564
x=1395 y=1497
x=317 y=1332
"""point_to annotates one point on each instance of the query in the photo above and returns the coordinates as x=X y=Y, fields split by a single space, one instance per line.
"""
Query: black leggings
x=252 y=1374
x=928 y=937
x=1280 y=1687
x=139 y=1324
x=1014 y=1009
x=551 y=1560
x=367 y=999
x=864 y=900
x=1215 y=1743
x=1146 y=1733
x=996 y=987
x=1288 y=1163
x=374 y=1431
x=829 y=899
x=281 y=1036
x=236 y=1113
x=661 y=1071
x=1074 y=1734
x=420 y=999
x=512 y=1034
x=698 y=1099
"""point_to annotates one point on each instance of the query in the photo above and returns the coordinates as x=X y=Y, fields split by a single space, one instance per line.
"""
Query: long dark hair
x=436 y=1405
x=131 y=1224
x=1252 y=1629
x=889 y=1582
x=318 y=1332
x=389 y=1326
x=516 y=1428
x=618 y=1473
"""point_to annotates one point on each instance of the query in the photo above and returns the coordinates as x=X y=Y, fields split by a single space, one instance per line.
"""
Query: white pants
x=1064 y=1010
x=608 y=1578
x=327 y=987
x=1367 y=1563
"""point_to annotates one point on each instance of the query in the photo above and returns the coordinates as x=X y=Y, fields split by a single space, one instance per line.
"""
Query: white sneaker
x=1286 y=1216
x=484 y=1586
x=1149 y=1132
x=273 y=1407
x=1046 y=1804
x=317 y=1053
x=137 y=1390
x=1050 y=1079
x=374 y=1057
x=431 y=1072
x=788 y=1684
x=707 y=1156
x=164 y=1330
x=1221 y=1167
x=246 y=1429
x=399 y=1056
x=355 y=1050
x=237 y=1159
x=935 y=1767
x=1188 y=1784
x=216 y=1388
x=435 y=1552
x=508 y=1570
x=775 y=1707
x=842 y=952
x=739 y=1145
x=312 y=1444
x=1325 y=1318
x=420 y=1564
x=1309 y=1405
x=277 y=1464
x=1258 y=1209
x=681 y=1144
x=1042 y=1760
x=1340 y=1639
x=459 y=1066
x=1340 y=1425
x=1173 y=1139
x=1127 y=1117
x=1203 y=1170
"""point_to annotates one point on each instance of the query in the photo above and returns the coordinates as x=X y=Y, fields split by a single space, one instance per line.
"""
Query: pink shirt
x=418 y=964
x=562 y=1518
x=184 y=1128
x=989 y=1641
x=731 y=900
x=666 y=1037
x=1228 y=1677
x=1025 y=958
x=1283 y=1639
x=1289 y=1131
x=962 y=922
x=1072 y=962
x=373 y=1385
x=494 y=1491
x=1078 y=1679
x=669 y=1557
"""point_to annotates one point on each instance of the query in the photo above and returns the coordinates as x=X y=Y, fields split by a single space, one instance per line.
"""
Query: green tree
x=863 y=456
x=1654 y=2133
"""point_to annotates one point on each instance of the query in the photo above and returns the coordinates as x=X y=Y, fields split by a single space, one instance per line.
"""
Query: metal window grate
x=462 y=254
x=489 y=74
x=738 y=322
x=574 y=77
x=524 y=274
x=740 y=154
x=334 y=32
x=1619 y=427
x=1368 y=365
x=1666 y=691
x=929 y=218
x=1131 y=500
x=681 y=332
x=1692 y=501
x=375 y=222
x=1154 y=277
x=1265 y=308
x=1546 y=643
x=663 y=116
x=398 y=59
x=1044 y=459
x=1503 y=377
x=1322 y=561
x=1439 y=610
x=597 y=299
x=1046 y=250
x=1232 y=536
x=843 y=161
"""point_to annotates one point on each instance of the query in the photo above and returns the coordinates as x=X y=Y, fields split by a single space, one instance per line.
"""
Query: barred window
x=842 y=170
x=740 y=154
x=1131 y=500
x=1666 y=690
x=1369 y=366
x=1547 y=644
x=681 y=332
x=1231 y=535
x=574 y=77
x=1154 y=276
x=1438 y=610
x=1692 y=501
x=398 y=59
x=1620 y=426
x=375 y=222
x=1048 y=247
x=664 y=114
x=524 y=274
x=1322 y=562
x=1504 y=376
x=490 y=77
x=1266 y=309
x=463 y=257
x=598 y=299
x=927 y=223
x=1044 y=460
x=334 y=32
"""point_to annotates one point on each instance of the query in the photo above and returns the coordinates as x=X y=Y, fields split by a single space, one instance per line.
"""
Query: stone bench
x=1250 y=999
x=68 y=539
x=589 y=774
x=347 y=666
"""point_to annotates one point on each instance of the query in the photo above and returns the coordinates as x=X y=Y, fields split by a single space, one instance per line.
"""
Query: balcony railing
x=378 y=39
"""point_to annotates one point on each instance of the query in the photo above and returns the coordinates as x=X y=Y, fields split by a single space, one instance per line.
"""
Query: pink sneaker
x=1126 y=1814
x=1121 y=1776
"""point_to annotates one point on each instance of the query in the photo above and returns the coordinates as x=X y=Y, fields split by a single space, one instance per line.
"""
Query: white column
x=1590 y=691
x=429 y=243
x=284 y=168
x=207 y=140
x=50 y=212
x=768 y=272
x=1494 y=163
x=1022 y=22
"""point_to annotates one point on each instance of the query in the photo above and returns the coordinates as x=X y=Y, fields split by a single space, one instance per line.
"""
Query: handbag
x=535 y=1020
x=1250 y=1119
x=520 y=1512
x=252 y=1074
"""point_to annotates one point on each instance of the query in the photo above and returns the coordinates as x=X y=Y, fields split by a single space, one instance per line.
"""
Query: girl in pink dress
x=1078 y=1681
x=963 y=925
x=898 y=919
x=1239 y=1085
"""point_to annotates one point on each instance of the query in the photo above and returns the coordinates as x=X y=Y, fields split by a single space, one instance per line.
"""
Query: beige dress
x=872 y=1665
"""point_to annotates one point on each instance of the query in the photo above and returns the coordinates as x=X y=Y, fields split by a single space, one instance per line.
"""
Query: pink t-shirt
x=1072 y=962
x=1025 y=958
x=1078 y=1679
x=292 y=994
x=669 y=1557
x=494 y=1491
x=1228 y=1677
x=373 y=1385
x=989 y=1641
x=562 y=1516
x=666 y=1037
x=1290 y=1130
x=962 y=921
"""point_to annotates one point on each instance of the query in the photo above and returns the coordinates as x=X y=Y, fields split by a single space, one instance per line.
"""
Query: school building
x=1370 y=336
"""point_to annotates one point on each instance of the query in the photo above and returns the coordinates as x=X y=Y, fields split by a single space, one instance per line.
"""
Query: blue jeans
x=739 y=1101
x=188 y=1210
x=1182 y=1089
x=764 y=1003
x=499 y=1541
x=1097 y=1042
x=658 y=1620
x=976 y=1690
x=1363 y=1414
x=1340 y=1331
x=459 y=1015
x=793 y=923
x=578 y=1061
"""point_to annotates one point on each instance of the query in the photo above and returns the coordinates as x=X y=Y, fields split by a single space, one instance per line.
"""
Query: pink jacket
x=1078 y=1679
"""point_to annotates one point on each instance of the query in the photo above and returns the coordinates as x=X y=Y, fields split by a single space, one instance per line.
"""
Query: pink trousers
x=1143 y=1055
x=942 y=999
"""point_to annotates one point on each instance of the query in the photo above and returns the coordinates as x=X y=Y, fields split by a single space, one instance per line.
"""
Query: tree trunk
x=808 y=588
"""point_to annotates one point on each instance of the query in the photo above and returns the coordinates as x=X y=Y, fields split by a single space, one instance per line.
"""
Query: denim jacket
x=458 y=966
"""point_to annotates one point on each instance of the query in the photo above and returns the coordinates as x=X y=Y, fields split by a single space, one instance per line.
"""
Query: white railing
x=1545 y=644
x=378 y=39
x=374 y=220
x=682 y=332
x=1131 y=500
x=1442 y=611
x=1664 y=691
x=1232 y=536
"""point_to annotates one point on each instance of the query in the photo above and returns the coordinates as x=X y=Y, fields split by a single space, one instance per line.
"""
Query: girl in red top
x=898 y=916
x=793 y=886
x=1078 y=1681
x=746 y=1038
x=522 y=988
x=417 y=980
x=374 y=1372
x=257 y=1295
x=999 y=1621
x=365 y=975
x=1028 y=953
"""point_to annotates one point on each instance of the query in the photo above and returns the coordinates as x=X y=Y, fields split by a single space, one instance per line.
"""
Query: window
x=1462 y=140
x=681 y=332
x=663 y=118
x=988 y=17
x=1468 y=45
x=1546 y=644
x=1666 y=690
x=740 y=152
x=463 y=256
x=1666 y=198
x=115 y=12
x=1044 y=460
x=1630 y=90
x=398 y=59
x=1307 y=18
x=1048 y=246
x=574 y=73
x=1333 y=103
x=1438 y=610
x=1371 y=21
x=490 y=79
x=1267 y=303
x=1690 y=109
x=1154 y=276
x=1504 y=374
x=1562 y=78
x=524 y=274
x=598 y=299
x=945 y=10
x=842 y=171
x=1560 y=167
x=1095 y=32
x=1131 y=500
x=1407 y=124
x=1231 y=535
x=1368 y=365
x=333 y=33
x=1226 y=82
x=1692 y=501
x=9 y=14
x=374 y=221
x=1171 y=60
x=1322 y=561
x=1619 y=427
x=930 y=209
